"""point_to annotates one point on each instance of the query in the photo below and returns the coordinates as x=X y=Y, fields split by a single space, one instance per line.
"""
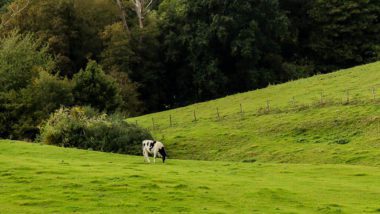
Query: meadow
x=37 y=178
x=313 y=149
x=331 y=118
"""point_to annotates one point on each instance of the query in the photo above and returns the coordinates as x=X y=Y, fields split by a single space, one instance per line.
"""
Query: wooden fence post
x=321 y=100
x=374 y=94
x=217 y=113
x=195 y=117
x=348 y=96
x=170 y=119
x=153 y=124
x=268 y=107
x=294 y=102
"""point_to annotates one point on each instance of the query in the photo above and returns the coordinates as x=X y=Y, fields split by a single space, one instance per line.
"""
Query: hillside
x=38 y=178
x=331 y=118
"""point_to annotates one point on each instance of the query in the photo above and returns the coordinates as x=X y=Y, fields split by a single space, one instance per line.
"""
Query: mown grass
x=306 y=129
x=44 y=179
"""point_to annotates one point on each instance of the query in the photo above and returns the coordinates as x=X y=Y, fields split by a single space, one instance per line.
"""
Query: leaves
x=94 y=88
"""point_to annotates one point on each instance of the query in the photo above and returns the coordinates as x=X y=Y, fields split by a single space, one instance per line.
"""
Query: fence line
x=348 y=97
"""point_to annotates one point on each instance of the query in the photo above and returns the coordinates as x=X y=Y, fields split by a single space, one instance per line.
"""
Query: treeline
x=138 y=56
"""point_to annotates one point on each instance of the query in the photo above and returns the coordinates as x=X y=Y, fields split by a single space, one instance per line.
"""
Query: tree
x=345 y=33
x=34 y=103
x=28 y=93
x=118 y=53
x=70 y=27
x=123 y=15
x=295 y=48
x=91 y=19
x=137 y=54
x=51 y=21
x=117 y=58
x=221 y=47
x=94 y=88
x=142 y=7
x=170 y=53
x=131 y=105
x=21 y=56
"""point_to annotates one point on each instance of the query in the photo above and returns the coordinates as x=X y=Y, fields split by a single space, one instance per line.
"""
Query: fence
x=348 y=97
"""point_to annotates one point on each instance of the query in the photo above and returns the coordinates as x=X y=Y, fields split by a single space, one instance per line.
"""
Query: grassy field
x=330 y=118
x=303 y=155
x=44 y=179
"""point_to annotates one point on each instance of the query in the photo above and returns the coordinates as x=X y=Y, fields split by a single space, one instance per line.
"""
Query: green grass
x=44 y=179
x=307 y=157
x=334 y=131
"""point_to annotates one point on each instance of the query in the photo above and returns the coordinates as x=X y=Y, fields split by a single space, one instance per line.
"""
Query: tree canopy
x=140 y=56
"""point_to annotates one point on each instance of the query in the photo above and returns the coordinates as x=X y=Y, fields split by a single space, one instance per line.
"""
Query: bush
x=85 y=128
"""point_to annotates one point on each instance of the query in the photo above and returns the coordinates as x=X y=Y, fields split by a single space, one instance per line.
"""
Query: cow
x=154 y=148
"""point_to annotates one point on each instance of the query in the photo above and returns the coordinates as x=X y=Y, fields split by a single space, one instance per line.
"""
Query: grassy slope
x=36 y=178
x=304 y=133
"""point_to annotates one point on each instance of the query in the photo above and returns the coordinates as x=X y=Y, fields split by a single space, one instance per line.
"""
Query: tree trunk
x=139 y=8
x=123 y=15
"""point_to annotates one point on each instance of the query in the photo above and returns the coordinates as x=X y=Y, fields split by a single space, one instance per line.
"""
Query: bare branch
x=149 y=4
x=14 y=12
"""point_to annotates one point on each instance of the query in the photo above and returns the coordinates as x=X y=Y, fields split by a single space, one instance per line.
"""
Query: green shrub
x=84 y=128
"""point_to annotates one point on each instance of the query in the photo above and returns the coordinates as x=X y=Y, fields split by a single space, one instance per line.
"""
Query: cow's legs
x=146 y=156
x=154 y=155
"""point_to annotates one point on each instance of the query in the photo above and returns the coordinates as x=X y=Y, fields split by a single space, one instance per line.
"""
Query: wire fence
x=322 y=99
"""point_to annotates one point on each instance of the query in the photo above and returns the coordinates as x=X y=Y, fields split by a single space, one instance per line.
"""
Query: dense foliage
x=221 y=47
x=94 y=88
x=345 y=33
x=28 y=93
x=138 y=58
x=85 y=128
x=20 y=59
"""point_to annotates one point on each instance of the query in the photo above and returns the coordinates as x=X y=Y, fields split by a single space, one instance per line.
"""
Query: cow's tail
x=163 y=154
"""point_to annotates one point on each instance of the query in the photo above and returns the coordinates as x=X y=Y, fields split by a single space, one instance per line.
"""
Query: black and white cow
x=154 y=148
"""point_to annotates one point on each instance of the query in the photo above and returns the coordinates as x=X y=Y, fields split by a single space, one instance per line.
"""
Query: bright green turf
x=45 y=179
x=306 y=133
